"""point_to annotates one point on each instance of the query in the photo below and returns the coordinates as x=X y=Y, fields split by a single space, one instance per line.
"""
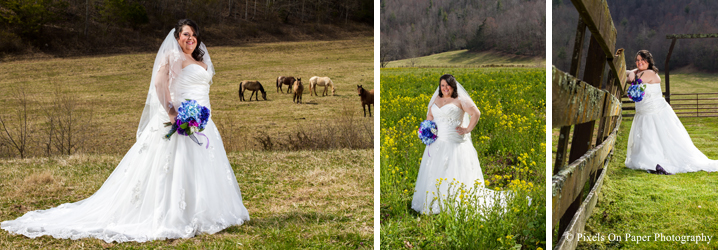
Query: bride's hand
x=630 y=76
x=463 y=131
x=173 y=116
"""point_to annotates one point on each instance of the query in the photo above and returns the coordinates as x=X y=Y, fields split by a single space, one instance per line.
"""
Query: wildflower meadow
x=509 y=139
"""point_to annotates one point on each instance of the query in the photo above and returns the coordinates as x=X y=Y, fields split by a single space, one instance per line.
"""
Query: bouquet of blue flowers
x=427 y=132
x=636 y=90
x=191 y=119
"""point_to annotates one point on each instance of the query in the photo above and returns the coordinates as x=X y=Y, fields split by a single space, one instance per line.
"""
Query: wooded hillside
x=422 y=27
x=72 y=27
x=644 y=24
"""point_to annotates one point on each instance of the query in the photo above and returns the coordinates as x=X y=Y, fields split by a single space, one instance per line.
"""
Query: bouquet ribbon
x=200 y=143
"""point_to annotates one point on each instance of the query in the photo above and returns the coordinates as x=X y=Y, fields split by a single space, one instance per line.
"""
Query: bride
x=162 y=188
x=657 y=137
x=452 y=156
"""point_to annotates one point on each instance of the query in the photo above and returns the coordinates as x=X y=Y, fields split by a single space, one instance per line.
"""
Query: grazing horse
x=321 y=81
x=297 y=87
x=367 y=98
x=286 y=80
x=254 y=86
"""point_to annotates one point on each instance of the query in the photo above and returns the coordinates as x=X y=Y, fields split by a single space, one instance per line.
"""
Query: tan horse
x=254 y=86
x=367 y=98
x=321 y=81
x=297 y=87
x=285 y=80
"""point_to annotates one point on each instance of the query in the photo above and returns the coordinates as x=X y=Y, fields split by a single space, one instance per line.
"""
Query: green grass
x=304 y=199
x=115 y=87
x=509 y=140
x=465 y=58
x=638 y=203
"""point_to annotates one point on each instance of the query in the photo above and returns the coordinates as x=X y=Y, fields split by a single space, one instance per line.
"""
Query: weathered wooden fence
x=590 y=107
x=687 y=105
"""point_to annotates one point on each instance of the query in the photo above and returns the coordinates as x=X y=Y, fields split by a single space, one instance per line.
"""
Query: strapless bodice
x=193 y=83
x=447 y=118
x=653 y=100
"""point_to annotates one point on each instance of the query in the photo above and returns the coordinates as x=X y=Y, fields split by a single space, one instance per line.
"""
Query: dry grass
x=115 y=88
x=300 y=199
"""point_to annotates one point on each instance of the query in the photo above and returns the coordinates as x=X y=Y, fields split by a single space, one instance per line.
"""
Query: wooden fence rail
x=582 y=104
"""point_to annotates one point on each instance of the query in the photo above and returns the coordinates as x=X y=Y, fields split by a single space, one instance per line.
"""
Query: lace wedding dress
x=161 y=189
x=658 y=137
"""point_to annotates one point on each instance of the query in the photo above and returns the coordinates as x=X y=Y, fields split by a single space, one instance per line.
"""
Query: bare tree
x=71 y=122
x=17 y=134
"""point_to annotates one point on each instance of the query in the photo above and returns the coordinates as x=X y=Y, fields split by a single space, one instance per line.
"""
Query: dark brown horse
x=285 y=80
x=254 y=86
x=367 y=98
x=297 y=87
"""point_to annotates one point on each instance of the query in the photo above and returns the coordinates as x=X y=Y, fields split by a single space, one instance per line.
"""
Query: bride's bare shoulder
x=650 y=76
x=649 y=73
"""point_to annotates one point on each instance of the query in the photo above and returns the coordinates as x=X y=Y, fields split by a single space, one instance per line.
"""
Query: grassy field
x=509 y=140
x=114 y=88
x=638 y=203
x=465 y=58
x=296 y=199
x=312 y=200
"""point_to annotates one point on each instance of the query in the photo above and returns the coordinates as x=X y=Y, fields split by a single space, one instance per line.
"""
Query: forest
x=423 y=27
x=644 y=24
x=86 y=27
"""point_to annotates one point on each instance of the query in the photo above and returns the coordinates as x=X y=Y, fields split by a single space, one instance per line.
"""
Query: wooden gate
x=591 y=107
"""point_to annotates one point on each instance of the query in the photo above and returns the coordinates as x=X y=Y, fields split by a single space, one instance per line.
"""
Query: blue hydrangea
x=636 y=90
x=192 y=115
x=427 y=132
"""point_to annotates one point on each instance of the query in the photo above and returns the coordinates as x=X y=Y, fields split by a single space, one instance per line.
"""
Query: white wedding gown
x=451 y=156
x=161 y=189
x=658 y=137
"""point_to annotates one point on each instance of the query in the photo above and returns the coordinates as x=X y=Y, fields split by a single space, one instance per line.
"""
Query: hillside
x=432 y=26
x=49 y=28
x=466 y=58
x=644 y=24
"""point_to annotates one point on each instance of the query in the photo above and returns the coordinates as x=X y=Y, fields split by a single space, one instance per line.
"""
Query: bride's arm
x=429 y=114
x=474 y=114
x=162 y=86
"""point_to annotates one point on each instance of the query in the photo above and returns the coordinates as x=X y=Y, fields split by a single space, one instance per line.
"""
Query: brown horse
x=254 y=86
x=297 y=87
x=326 y=82
x=286 y=80
x=367 y=98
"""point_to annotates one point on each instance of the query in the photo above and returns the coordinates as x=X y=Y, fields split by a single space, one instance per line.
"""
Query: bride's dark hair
x=197 y=54
x=451 y=82
x=649 y=58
